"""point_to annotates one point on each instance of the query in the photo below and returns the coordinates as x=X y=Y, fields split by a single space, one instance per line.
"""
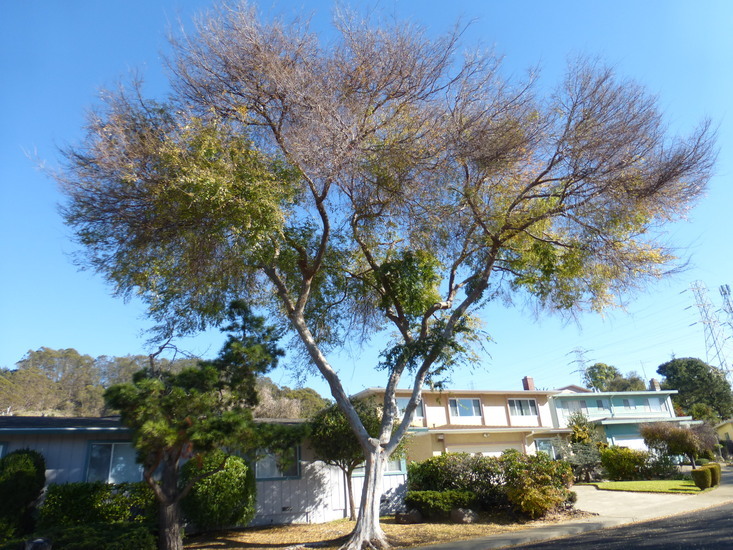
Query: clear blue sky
x=55 y=55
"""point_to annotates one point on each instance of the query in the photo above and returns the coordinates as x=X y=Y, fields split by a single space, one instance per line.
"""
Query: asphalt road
x=708 y=529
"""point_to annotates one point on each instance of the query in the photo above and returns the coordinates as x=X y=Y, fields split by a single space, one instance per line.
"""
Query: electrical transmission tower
x=714 y=340
x=727 y=307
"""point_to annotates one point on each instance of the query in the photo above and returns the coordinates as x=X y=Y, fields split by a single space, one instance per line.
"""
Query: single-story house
x=100 y=449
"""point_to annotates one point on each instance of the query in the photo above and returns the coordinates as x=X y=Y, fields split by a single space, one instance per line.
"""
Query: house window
x=655 y=405
x=629 y=404
x=113 y=463
x=402 y=405
x=284 y=465
x=727 y=436
x=546 y=446
x=465 y=407
x=523 y=407
x=393 y=466
x=577 y=405
x=602 y=404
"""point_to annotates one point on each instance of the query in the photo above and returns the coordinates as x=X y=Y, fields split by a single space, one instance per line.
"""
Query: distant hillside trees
x=64 y=382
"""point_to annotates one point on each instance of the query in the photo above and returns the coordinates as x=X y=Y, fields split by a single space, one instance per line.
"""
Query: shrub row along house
x=308 y=491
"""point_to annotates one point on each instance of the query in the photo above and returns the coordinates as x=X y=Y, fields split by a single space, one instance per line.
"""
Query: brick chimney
x=654 y=385
x=528 y=383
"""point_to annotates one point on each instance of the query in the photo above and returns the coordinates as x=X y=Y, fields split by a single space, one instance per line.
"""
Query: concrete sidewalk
x=613 y=508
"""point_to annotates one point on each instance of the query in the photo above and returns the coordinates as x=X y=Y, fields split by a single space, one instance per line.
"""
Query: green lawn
x=654 y=486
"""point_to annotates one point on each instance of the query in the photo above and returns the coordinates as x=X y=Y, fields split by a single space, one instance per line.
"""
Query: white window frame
x=268 y=469
x=118 y=449
x=402 y=405
x=389 y=468
x=456 y=408
x=517 y=409
x=552 y=452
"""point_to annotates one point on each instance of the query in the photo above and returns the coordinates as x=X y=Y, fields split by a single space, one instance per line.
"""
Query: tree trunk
x=367 y=532
x=350 y=491
x=169 y=523
x=170 y=533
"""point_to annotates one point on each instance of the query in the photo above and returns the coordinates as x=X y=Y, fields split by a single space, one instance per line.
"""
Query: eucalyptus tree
x=384 y=179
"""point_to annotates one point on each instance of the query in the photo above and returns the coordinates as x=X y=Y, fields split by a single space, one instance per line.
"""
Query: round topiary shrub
x=223 y=499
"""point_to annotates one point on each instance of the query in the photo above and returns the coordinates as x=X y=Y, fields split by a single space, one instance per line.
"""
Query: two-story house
x=478 y=421
x=618 y=414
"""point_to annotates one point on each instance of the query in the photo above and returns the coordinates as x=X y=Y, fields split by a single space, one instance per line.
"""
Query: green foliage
x=223 y=499
x=703 y=477
x=584 y=431
x=84 y=503
x=408 y=282
x=535 y=484
x=22 y=477
x=622 y=464
x=584 y=458
x=482 y=475
x=206 y=203
x=704 y=412
x=102 y=536
x=697 y=383
x=438 y=504
x=582 y=452
x=599 y=375
x=334 y=441
x=631 y=382
x=199 y=408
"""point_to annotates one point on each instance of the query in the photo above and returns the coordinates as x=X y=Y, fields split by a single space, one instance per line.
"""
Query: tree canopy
x=599 y=375
x=697 y=383
x=672 y=439
x=603 y=377
x=382 y=179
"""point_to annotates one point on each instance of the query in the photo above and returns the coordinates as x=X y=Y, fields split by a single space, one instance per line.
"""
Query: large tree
x=599 y=375
x=383 y=179
x=697 y=383
x=185 y=415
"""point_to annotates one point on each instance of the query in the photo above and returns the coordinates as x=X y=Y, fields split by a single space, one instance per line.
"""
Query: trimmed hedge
x=715 y=472
x=85 y=503
x=702 y=477
x=481 y=475
x=102 y=536
x=438 y=504
x=622 y=464
x=532 y=484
